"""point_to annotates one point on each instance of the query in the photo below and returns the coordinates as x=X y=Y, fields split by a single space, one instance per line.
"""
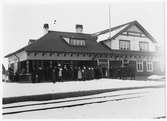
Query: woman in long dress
x=79 y=74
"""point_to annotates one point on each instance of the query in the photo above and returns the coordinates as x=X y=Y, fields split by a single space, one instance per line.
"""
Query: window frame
x=126 y=41
x=138 y=64
x=76 y=42
x=149 y=65
x=142 y=42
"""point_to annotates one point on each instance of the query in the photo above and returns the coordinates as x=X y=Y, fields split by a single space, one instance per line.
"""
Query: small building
x=108 y=50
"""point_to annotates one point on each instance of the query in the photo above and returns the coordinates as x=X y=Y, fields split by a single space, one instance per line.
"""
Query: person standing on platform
x=53 y=75
x=11 y=74
x=75 y=71
x=39 y=74
x=84 y=73
x=88 y=73
x=50 y=73
x=56 y=73
x=64 y=73
x=71 y=73
x=33 y=74
x=60 y=73
x=16 y=76
x=92 y=73
x=79 y=74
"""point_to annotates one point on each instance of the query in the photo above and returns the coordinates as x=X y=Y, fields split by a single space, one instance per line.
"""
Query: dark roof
x=53 y=42
x=126 y=26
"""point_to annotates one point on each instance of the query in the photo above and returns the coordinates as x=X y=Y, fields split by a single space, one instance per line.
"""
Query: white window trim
x=137 y=65
x=151 y=64
x=76 y=42
x=123 y=44
x=143 y=46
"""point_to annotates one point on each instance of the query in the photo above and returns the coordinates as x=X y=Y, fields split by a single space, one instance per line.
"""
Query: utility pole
x=109 y=22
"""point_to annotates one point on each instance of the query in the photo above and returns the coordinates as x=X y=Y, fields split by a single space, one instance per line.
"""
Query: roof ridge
x=113 y=28
x=69 y=32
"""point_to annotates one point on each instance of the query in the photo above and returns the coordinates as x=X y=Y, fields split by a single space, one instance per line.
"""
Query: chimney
x=79 y=28
x=46 y=28
x=31 y=41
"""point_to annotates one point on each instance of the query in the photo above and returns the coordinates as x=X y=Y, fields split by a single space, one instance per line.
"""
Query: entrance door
x=132 y=66
x=115 y=66
x=103 y=64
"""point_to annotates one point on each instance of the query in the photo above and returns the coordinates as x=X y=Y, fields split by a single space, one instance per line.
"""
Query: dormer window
x=143 y=46
x=75 y=42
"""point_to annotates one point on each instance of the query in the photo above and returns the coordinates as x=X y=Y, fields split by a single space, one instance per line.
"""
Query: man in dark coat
x=132 y=71
x=11 y=74
x=56 y=73
x=53 y=75
x=33 y=74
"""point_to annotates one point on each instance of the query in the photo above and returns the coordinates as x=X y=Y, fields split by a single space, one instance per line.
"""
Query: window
x=72 y=42
x=77 y=42
x=149 y=66
x=83 y=43
x=143 y=46
x=124 y=44
x=139 y=66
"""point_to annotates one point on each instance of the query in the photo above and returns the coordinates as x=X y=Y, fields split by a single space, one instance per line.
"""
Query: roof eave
x=10 y=54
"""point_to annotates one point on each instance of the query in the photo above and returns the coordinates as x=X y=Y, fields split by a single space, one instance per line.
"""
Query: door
x=115 y=66
x=132 y=65
x=103 y=64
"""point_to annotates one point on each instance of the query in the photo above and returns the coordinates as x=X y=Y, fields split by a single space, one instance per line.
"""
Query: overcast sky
x=24 y=21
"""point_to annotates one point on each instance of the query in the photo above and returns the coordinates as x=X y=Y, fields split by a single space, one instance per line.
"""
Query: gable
x=134 y=28
x=110 y=34
x=135 y=31
x=129 y=29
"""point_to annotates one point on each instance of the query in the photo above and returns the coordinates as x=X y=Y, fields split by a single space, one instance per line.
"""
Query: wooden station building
x=116 y=47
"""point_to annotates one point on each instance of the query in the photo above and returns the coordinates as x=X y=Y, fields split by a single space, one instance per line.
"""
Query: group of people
x=86 y=73
x=122 y=72
x=61 y=73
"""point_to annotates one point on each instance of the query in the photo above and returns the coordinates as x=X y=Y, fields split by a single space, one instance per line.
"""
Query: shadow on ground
x=54 y=96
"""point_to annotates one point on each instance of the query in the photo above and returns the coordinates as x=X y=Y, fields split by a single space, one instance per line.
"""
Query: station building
x=126 y=44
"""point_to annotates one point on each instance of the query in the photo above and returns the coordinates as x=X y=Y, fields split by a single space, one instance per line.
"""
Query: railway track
x=16 y=108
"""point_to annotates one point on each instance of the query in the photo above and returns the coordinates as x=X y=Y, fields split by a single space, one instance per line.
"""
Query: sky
x=24 y=21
